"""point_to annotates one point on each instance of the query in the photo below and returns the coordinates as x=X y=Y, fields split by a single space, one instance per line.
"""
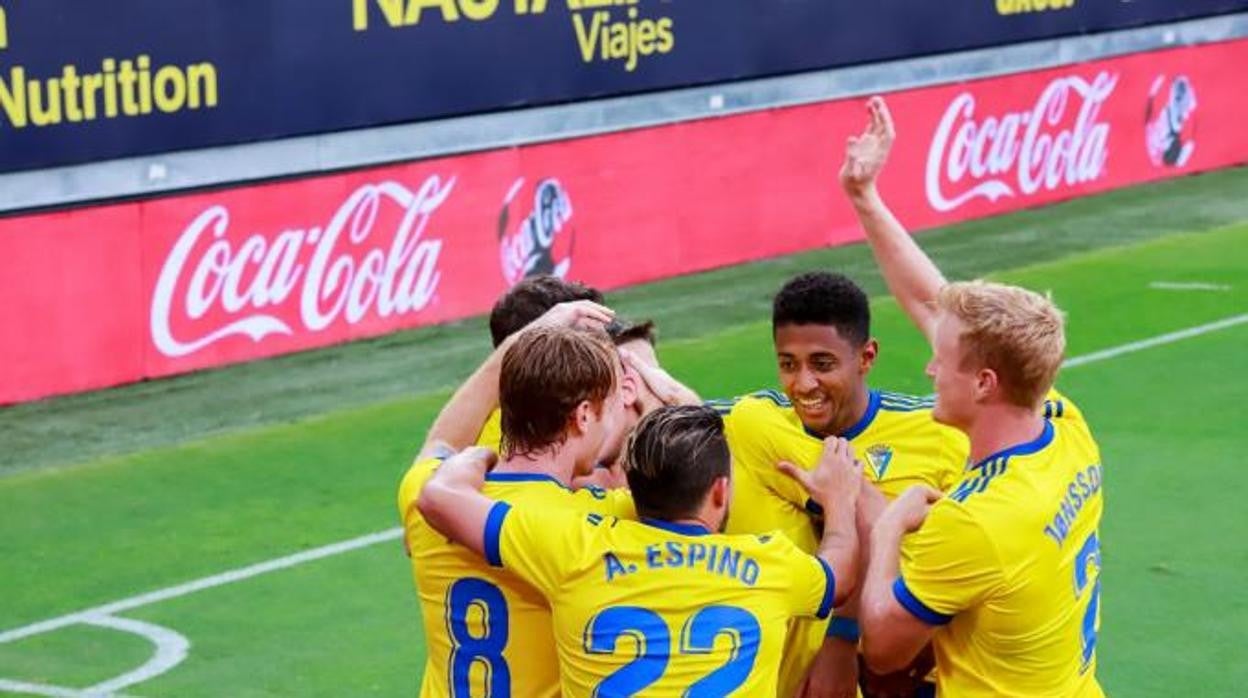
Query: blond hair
x=1018 y=334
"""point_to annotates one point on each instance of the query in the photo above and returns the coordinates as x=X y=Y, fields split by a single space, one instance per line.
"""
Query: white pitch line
x=38 y=689
x=1187 y=286
x=1158 y=341
x=288 y=561
x=171 y=649
x=215 y=580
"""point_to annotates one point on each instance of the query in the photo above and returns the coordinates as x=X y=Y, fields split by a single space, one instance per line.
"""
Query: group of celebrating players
x=612 y=534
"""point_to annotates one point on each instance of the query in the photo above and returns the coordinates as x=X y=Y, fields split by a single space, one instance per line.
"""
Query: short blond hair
x=1017 y=333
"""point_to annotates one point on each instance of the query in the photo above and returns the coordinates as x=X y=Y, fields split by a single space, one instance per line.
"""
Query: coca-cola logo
x=1170 y=121
x=213 y=285
x=529 y=247
x=1058 y=142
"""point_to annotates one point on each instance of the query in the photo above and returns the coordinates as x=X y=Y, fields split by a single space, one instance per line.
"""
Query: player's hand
x=582 y=315
x=833 y=673
x=866 y=154
x=659 y=384
x=835 y=479
x=909 y=511
x=468 y=467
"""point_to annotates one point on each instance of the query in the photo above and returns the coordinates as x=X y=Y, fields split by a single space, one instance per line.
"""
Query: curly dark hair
x=822 y=298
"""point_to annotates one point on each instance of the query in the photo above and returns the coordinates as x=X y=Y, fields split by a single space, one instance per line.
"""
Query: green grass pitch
x=96 y=510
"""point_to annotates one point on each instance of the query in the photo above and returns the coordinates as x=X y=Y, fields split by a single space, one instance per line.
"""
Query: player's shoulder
x=903 y=403
x=525 y=488
x=1065 y=413
x=766 y=401
x=541 y=491
x=412 y=482
x=911 y=417
x=912 y=411
x=757 y=409
x=991 y=486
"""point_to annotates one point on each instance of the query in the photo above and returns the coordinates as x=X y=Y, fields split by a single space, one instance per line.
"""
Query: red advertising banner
x=111 y=294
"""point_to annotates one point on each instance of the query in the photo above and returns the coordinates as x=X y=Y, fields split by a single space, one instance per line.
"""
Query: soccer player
x=487 y=633
x=1002 y=573
x=474 y=418
x=824 y=349
x=666 y=606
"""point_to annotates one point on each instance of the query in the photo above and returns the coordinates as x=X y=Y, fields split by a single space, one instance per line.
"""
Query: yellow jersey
x=487 y=633
x=656 y=608
x=491 y=435
x=896 y=439
x=1007 y=565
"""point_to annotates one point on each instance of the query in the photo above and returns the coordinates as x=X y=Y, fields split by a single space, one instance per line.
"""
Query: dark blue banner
x=85 y=80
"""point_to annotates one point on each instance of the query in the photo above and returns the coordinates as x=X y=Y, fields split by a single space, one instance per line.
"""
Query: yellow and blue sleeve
x=948 y=565
x=520 y=540
x=811 y=583
x=1059 y=406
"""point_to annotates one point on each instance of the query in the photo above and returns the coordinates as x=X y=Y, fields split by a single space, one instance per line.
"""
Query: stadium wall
x=111 y=294
x=90 y=81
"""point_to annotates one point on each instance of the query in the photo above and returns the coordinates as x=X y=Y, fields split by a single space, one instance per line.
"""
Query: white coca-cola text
x=973 y=156
x=345 y=268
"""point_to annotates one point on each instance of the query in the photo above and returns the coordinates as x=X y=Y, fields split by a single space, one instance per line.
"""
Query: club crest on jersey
x=879 y=456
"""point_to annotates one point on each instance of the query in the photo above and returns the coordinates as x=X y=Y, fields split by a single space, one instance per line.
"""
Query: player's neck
x=1001 y=427
x=701 y=520
x=857 y=409
x=559 y=463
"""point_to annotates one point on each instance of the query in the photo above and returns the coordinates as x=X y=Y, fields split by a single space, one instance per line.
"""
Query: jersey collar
x=682 y=529
x=856 y=429
x=1024 y=449
x=523 y=477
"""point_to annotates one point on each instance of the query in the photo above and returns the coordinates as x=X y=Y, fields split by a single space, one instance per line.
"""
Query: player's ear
x=629 y=380
x=582 y=416
x=867 y=356
x=721 y=492
x=987 y=384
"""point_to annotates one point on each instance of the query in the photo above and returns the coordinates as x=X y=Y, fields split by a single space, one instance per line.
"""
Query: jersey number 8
x=463 y=599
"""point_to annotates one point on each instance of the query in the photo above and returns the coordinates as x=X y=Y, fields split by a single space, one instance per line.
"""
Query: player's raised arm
x=911 y=276
x=834 y=484
x=460 y=421
x=452 y=502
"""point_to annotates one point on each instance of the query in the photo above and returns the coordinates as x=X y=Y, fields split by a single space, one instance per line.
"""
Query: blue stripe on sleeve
x=493 y=531
x=917 y=608
x=829 y=591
